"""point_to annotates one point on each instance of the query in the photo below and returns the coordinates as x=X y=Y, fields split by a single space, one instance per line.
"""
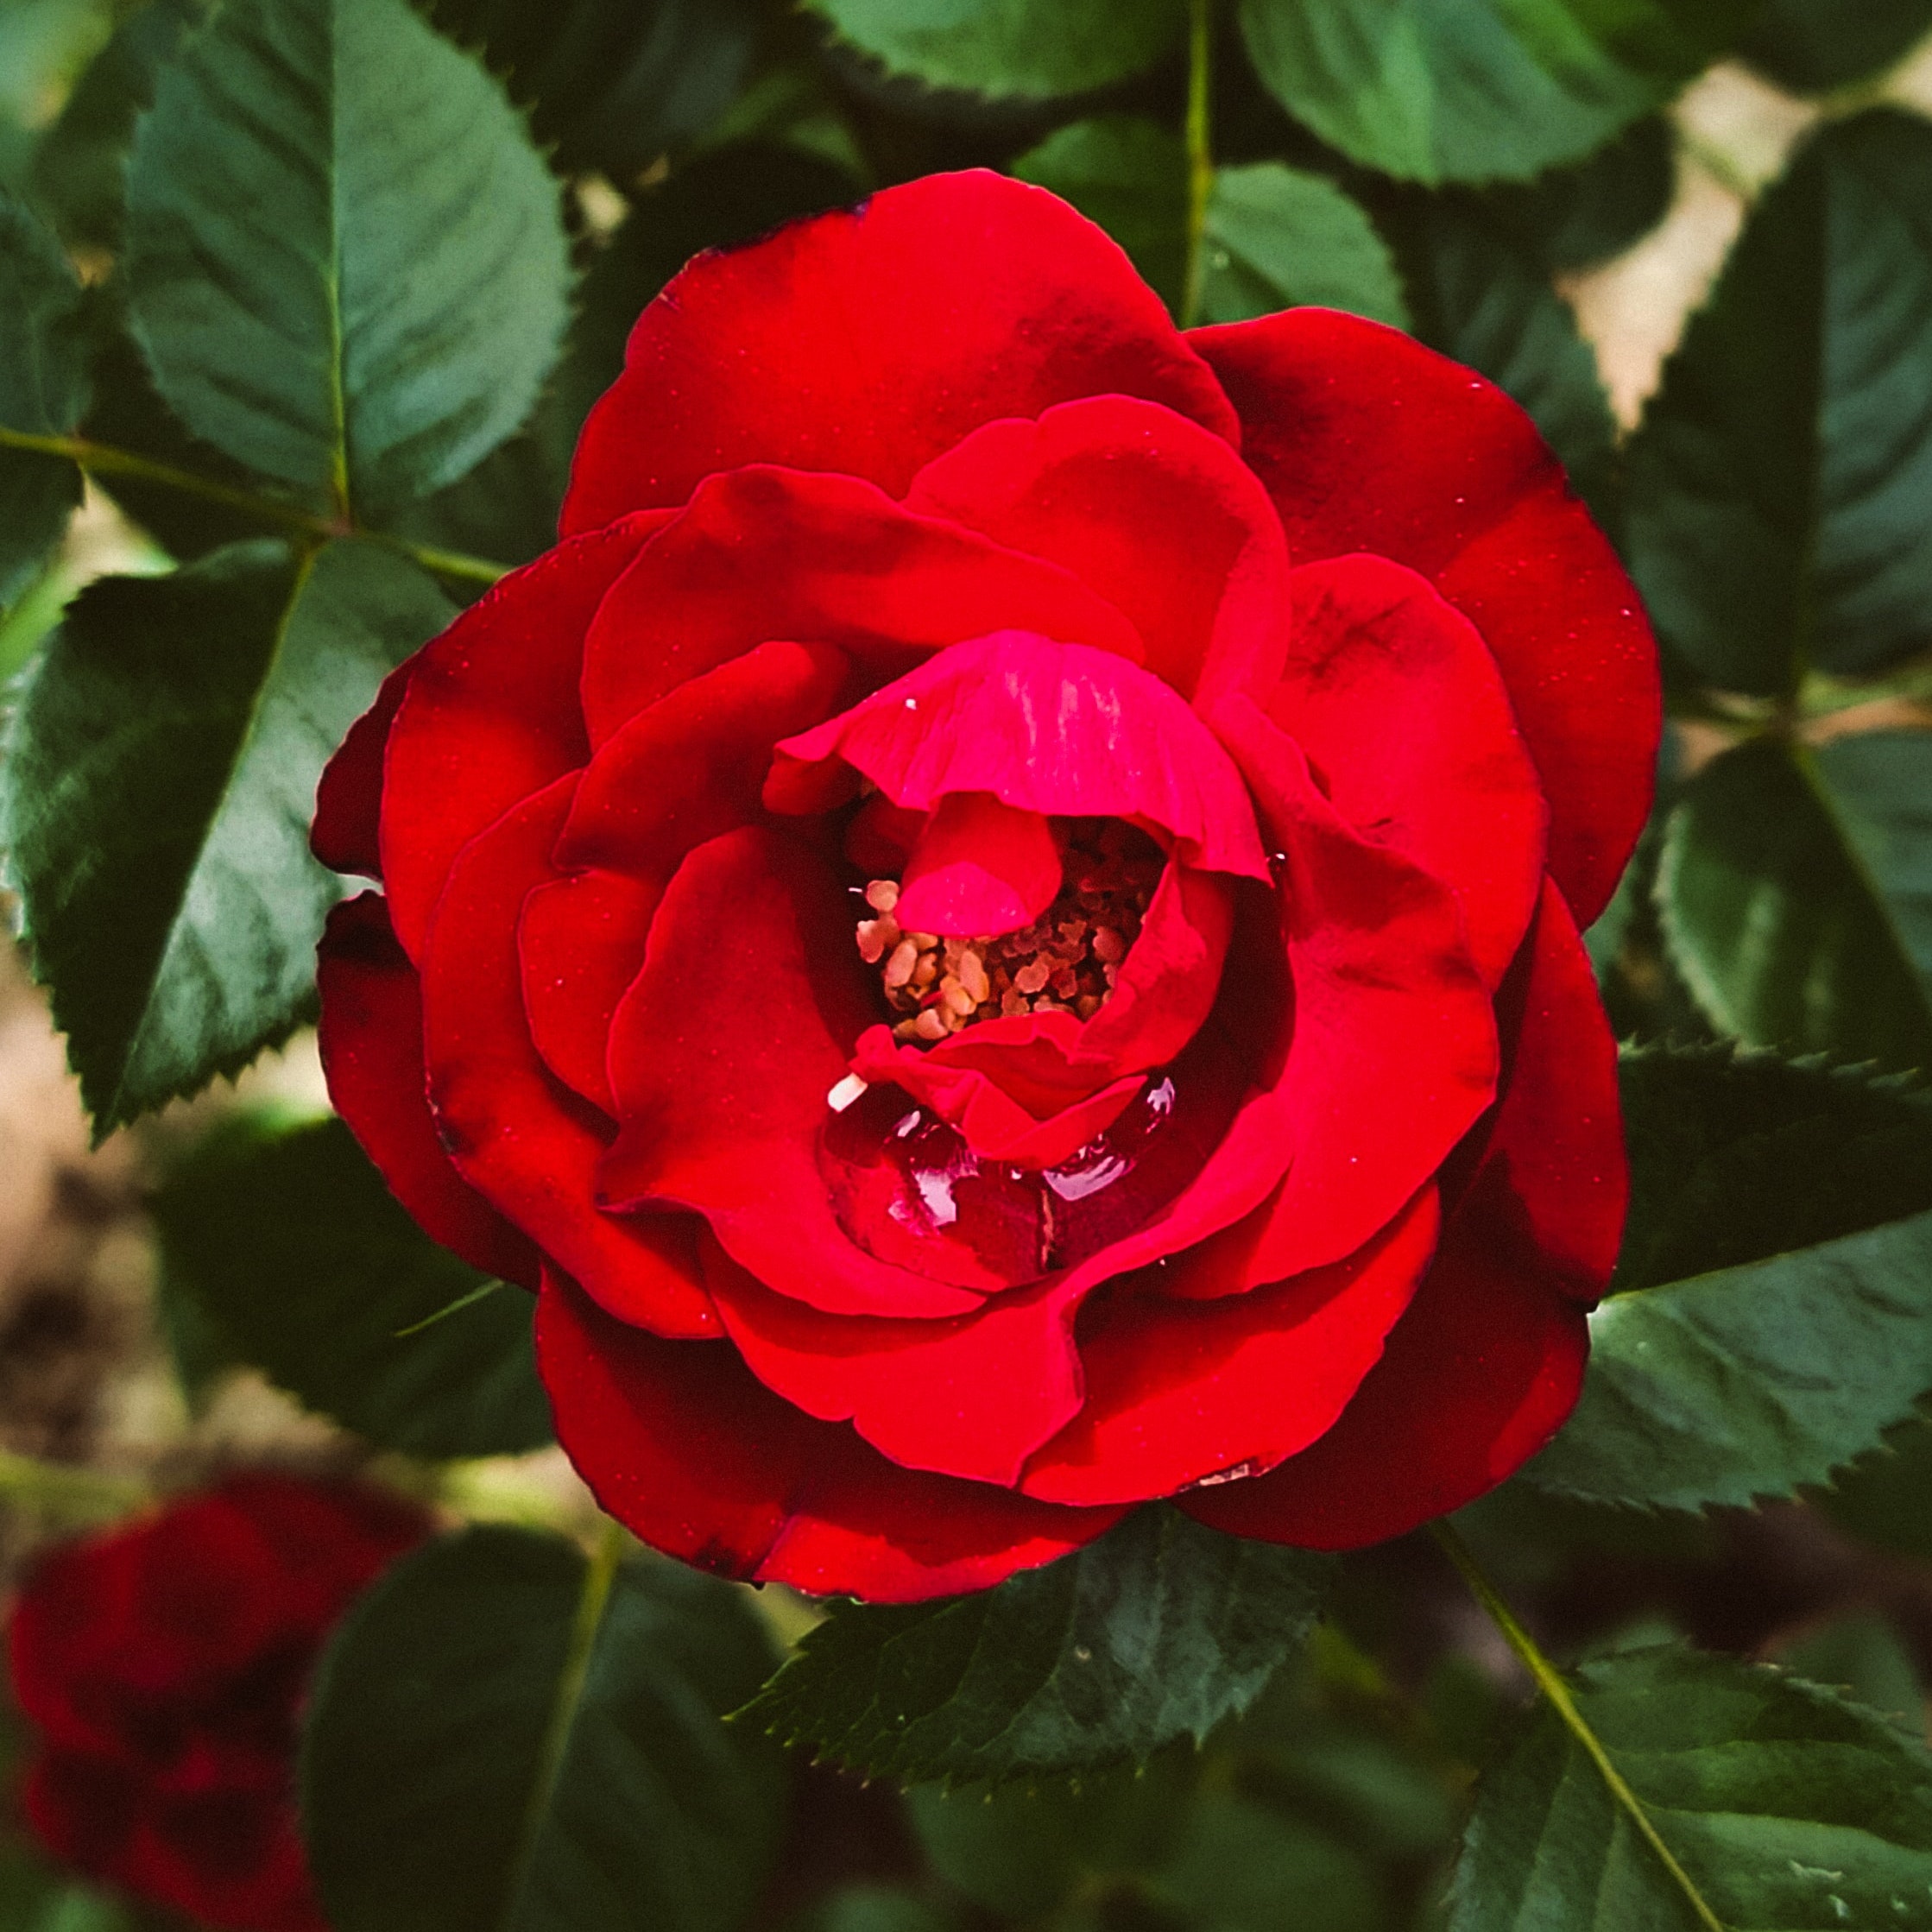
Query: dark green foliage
x=1129 y=175
x=611 y=84
x=1574 y=218
x=1789 y=1809
x=44 y=352
x=1031 y=49
x=1772 y=1310
x=154 y=802
x=80 y=165
x=479 y=1753
x=1775 y=909
x=1778 y=481
x=1478 y=89
x=1886 y=1499
x=1813 y=46
x=287 y=1241
x=1156 y=1631
x=376 y=309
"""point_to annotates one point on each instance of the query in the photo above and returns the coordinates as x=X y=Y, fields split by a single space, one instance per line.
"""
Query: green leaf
x=1775 y=907
x=1772 y=1312
x=156 y=797
x=1483 y=295
x=288 y=1240
x=1886 y=1501
x=1574 y=217
x=611 y=84
x=501 y=1737
x=1778 y=481
x=44 y=353
x=33 y=1898
x=1863 y=1656
x=1031 y=49
x=1156 y=1631
x=1813 y=45
x=80 y=165
x=380 y=309
x=1478 y=89
x=1790 y=1809
x=1277 y=238
x=1130 y=176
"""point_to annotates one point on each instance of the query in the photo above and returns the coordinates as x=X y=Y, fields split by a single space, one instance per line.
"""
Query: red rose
x=164 y=1664
x=1246 y=722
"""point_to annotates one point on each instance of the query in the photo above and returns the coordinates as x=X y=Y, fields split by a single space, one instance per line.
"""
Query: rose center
x=1066 y=961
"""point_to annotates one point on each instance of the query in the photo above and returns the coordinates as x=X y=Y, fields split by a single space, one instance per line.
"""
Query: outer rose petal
x=972 y=1396
x=680 y=1442
x=1160 y=517
x=516 y=1134
x=1482 y=1370
x=766 y=553
x=1368 y=441
x=1045 y=726
x=371 y=1038
x=347 y=833
x=490 y=714
x=1177 y=1393
x=866 y=343
x=1403 y=718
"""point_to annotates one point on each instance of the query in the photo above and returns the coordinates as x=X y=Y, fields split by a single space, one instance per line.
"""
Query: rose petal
x=580 y=942
x=866 y=343
x=1047 y=727
x=346 y=835
x=520 y=1138
x=1487 y=1363
x=972 y=1396
x=680 y=1442
x=1368 y=441
x=1177 y=1393
x=491 y=715
x=371 y=1040
x=691 y=765
x=722 y=1055
x=1402 y=714
x=978 y=868
x=1159 y=515
x=763 y=554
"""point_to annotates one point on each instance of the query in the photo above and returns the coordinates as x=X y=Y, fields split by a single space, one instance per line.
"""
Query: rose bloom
x=163 y=1665
x=995 y=929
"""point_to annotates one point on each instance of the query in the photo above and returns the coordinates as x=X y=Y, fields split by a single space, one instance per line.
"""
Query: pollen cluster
x=1066 y=961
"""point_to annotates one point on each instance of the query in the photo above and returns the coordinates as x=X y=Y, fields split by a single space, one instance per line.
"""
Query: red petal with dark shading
x=1368 y=441
x=681 y=1442
x=1402 y=714
x=764 y=554
x=1487 y=1363
x=1159 y=515
x=347 y=833
x=516 y=1133
x=868 y=342
x=491 y=715
x=1178 y=1393
x=371 y=1039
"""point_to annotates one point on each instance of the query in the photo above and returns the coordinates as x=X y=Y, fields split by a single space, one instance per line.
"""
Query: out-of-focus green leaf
x=1886 y=1499
x=1778 y=482
x=1130 y=176
x=489 y=1745
x=1574 y=218
x=1772 y=1313
x=44 y=354
x=1036 y=49
x=290 y=1241
x=1862 y=1656
x=1478 y=89
x=1813 y=45
x=1277 y=238
x=611 y=84
x=346 y=262
x=1794 y=899
x=155 y=798
x=1156 y=1631
x=1789 y=1809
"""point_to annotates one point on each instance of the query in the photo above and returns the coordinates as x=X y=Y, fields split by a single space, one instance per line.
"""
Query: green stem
x=66 y=1489
x=1549 y=1681
x=103 y=459
x=592 y=1601
x=1200 y=152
